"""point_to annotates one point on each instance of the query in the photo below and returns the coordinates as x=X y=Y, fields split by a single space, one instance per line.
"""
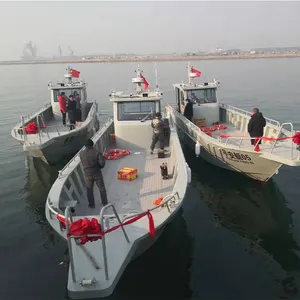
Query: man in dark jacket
x=92 y=162
x=72 y=111
x=256 y=125
x=188 y=110
x=158 y=132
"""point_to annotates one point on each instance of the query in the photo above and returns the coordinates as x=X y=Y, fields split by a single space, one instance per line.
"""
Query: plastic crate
x=127 y=174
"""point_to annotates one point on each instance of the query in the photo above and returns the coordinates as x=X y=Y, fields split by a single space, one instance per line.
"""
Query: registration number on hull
x=237 y=157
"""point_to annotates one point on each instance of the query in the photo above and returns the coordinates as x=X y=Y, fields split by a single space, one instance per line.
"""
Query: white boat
x=96 y=267
x=231 y=148
x=53 y=141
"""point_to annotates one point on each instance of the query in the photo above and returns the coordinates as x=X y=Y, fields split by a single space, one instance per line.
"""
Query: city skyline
x=145 y=27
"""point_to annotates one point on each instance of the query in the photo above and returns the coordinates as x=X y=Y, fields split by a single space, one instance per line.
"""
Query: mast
x=68 y=76
x=138 y=80
x=191 y=75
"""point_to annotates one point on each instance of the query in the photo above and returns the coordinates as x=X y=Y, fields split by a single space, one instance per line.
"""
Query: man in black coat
x=92 y=162
x=188 y=110
x=71 y=109
x=256 y=125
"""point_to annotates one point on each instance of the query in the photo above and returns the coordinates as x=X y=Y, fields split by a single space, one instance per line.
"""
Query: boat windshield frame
x=137 y=110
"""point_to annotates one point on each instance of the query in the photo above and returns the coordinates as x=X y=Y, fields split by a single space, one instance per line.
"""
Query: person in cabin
x=63 y=106
x=92 y=162
x=71 y=109
x=256 y=125
x=78 y=106
x=188 y=110
x=158 y=132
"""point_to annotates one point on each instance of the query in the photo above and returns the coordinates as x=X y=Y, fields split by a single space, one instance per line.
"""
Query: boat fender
x=197 y=149
x=189 y=173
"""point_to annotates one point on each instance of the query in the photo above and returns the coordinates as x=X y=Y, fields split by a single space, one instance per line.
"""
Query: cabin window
x=68 y=92
x=136 y=110
x=203 y=96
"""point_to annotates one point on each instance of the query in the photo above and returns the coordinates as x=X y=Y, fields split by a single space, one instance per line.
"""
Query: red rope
x=295 y=138
x=84 y=227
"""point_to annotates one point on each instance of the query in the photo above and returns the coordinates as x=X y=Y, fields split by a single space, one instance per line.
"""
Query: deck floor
x=137 y=195
x=54 y=128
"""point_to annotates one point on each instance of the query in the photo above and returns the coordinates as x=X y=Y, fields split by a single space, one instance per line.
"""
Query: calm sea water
x=235 y=239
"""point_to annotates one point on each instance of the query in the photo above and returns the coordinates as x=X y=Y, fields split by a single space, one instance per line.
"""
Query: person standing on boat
x=78 y=107
x=188 y=110
x=158 y=132
x=63 y=106
x=92 y=162
x=256 y=125
x=72 y=112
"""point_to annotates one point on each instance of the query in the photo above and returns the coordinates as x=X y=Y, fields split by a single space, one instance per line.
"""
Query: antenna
x=156 y=77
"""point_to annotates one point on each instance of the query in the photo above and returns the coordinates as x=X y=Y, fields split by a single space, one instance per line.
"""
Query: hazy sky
x=145 y=27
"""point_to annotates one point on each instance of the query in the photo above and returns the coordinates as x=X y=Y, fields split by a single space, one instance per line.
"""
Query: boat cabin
x=204 y=96
x=69 y=87
x=133 y=113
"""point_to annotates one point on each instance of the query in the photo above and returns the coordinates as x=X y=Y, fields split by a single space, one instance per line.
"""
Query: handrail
x=280 y=131
x=103 y=237
x=68 y=216
x=193 y=131
x=45 y=130
x=32 y=114
x=245 y=112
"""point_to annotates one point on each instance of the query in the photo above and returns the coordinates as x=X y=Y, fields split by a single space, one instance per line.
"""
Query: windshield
x=67 y=92
x=136 y=110
x=203 y=96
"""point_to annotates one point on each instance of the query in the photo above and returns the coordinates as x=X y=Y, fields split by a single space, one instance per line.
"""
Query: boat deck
x=54 y=128
x=137 y=195
x=283 y=148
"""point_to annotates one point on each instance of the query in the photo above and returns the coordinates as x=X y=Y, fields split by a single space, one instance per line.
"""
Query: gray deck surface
x=54 y=129
x=137 y=195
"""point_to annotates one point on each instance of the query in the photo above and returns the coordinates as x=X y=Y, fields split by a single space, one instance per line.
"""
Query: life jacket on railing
x=32 y=128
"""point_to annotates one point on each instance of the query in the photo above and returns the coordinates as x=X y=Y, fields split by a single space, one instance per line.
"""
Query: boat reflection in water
x=257 y=212
x=40 y=179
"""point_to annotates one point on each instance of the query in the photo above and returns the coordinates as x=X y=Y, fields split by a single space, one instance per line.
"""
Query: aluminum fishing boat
x=52 y=141
x=229 y=146
x=95 y=267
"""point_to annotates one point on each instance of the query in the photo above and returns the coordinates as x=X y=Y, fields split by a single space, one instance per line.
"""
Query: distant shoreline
x=153 y=59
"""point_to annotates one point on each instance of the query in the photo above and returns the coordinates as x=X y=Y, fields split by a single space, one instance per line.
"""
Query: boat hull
x=246 y=163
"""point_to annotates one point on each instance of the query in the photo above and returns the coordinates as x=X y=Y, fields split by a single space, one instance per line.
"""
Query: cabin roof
x=187 y=86
x=121 y=97
x=61 y=86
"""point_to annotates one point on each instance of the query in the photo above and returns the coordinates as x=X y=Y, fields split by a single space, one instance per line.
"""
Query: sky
x=145 y=27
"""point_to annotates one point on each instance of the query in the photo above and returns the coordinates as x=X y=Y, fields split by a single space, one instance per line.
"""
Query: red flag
x=75 y=73
x=145 y=83
x=196 y=72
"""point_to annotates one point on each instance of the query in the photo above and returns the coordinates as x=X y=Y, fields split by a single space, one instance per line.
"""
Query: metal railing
x=196 y=134
x=42 y=131
x=33 y=114
x=68 y=218
x=249 y=114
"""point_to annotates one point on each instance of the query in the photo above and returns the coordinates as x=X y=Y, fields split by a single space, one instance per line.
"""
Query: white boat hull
x=253 y=166
x=236 y=153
